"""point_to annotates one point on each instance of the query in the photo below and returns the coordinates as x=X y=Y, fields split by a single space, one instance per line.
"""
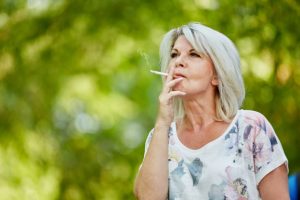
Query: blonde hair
x=226 y=60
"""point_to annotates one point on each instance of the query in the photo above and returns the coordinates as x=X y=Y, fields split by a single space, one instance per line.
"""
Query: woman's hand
x=166 y=99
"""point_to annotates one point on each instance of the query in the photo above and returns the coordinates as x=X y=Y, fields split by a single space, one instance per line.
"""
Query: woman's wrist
x=162 y=124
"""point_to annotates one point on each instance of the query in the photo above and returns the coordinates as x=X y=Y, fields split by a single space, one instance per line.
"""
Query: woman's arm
x=152 y=178
x=274 y=186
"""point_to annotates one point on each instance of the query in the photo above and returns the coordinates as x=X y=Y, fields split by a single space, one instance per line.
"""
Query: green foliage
x=77 y=100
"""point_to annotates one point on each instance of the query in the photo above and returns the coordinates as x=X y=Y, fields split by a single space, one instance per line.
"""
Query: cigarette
x=159 y=73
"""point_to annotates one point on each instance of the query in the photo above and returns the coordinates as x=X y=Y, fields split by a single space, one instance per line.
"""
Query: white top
x=229 y=167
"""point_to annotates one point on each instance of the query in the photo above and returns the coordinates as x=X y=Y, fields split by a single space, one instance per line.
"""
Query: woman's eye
x=195 y=54
x=173 y=55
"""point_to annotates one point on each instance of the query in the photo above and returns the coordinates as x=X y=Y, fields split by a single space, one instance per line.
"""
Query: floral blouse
x=227 y=168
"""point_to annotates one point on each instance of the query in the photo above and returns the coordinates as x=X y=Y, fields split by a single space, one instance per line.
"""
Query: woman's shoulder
x=252 y=114
x=253 y=118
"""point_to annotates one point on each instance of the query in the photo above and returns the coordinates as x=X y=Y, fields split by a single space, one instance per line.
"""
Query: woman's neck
x=198 y=114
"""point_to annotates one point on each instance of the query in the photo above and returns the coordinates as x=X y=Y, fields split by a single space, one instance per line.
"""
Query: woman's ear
x=215 y=80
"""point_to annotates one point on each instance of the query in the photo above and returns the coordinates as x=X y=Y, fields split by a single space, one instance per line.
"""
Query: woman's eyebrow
x=174 y=49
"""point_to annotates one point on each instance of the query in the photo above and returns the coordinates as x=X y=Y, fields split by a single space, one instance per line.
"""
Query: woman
x=202 y=145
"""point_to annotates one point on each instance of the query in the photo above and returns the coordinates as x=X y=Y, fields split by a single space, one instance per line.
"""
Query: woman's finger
x=170 y=74
x=172 y=83
x=168 y=86
x=176 y=93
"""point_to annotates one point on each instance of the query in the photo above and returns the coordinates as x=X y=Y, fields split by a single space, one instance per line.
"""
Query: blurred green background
x=77 y=99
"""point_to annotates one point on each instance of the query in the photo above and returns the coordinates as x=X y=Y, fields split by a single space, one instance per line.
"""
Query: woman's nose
x=180 y=61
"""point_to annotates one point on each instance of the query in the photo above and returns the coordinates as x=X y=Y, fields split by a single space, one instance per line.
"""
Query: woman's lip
x=178 y=76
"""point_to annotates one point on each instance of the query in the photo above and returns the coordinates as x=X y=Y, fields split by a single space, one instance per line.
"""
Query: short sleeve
x=268 y=153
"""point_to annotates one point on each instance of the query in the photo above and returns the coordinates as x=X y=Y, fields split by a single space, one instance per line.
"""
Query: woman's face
x=196 y=69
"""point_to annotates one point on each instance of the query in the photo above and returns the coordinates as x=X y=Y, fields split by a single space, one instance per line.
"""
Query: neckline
x=209 y=143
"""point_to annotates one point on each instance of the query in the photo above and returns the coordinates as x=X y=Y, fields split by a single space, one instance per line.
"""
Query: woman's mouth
x=178 y=75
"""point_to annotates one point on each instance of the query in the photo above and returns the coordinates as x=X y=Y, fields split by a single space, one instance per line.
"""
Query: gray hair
x=226 y=60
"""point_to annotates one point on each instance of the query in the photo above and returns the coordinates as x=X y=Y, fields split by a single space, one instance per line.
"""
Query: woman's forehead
x=182 y=43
